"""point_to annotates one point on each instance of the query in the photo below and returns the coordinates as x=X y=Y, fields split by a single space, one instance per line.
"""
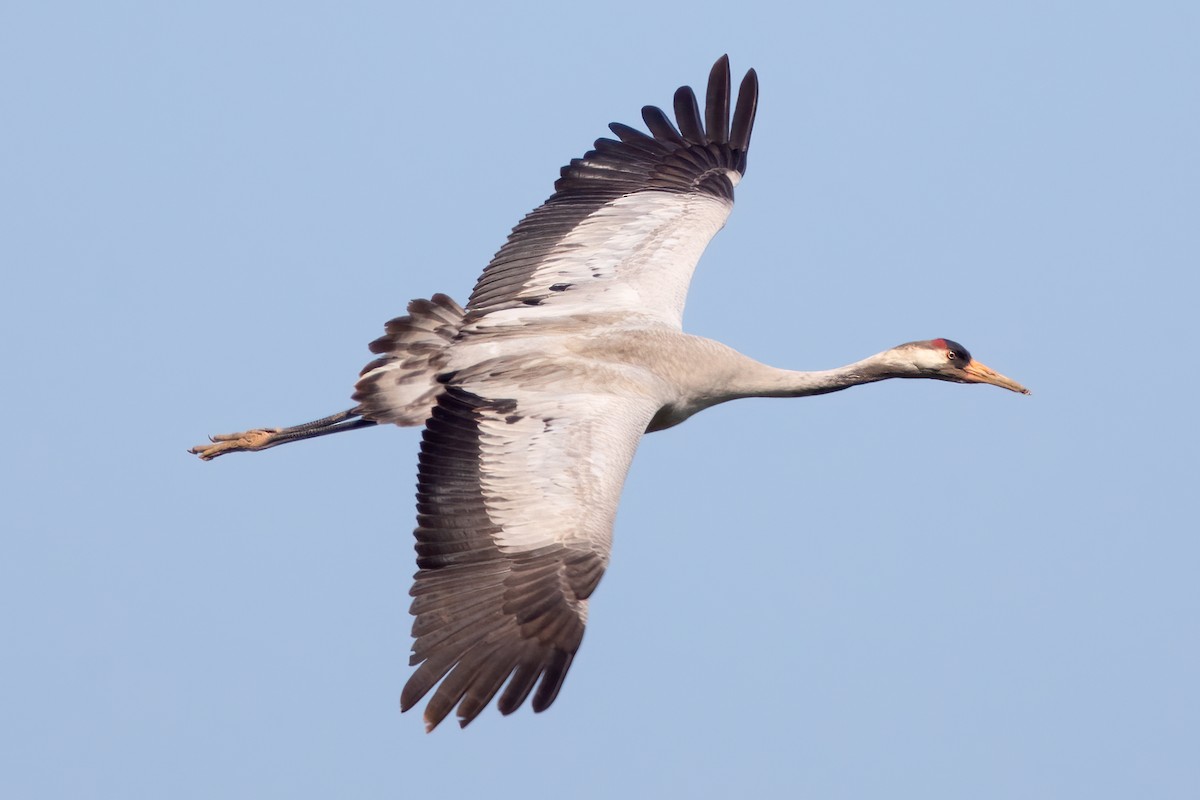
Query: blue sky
x=912 y=589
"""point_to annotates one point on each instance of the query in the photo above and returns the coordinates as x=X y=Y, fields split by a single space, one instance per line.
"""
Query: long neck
x=707 y=373
x=765 y=381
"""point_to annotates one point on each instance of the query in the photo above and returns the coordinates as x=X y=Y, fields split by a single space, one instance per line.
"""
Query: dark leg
x=263 y=438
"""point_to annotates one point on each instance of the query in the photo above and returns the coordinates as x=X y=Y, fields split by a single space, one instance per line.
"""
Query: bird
x=535 y=395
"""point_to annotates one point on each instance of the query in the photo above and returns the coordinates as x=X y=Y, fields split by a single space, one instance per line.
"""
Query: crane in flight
x=534 y=397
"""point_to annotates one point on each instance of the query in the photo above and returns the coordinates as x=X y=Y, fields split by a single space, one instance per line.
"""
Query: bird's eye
x=950 y=354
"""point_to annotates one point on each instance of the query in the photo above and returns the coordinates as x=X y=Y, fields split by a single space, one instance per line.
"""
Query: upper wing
x=515 y=504
x=628 y=221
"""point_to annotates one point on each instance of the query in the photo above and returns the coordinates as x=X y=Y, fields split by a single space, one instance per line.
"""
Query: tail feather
x=401 y=386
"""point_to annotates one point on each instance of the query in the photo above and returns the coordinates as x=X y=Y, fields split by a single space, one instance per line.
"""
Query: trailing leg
x=264 y=438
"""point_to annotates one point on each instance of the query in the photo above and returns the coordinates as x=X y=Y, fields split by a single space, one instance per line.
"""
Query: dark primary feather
x=743 y=117
x=688 y=115
x=716 y=103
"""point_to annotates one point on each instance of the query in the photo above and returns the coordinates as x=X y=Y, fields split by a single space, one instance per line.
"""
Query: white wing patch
x=636 y=254
x=552 y=472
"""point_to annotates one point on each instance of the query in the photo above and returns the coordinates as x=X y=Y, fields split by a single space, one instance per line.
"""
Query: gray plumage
x=535 y=396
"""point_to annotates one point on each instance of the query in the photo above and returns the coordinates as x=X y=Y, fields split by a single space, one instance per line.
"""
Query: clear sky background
x=908 y=590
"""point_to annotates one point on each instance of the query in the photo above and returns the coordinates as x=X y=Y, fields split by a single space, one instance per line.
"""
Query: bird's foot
x=222 y=443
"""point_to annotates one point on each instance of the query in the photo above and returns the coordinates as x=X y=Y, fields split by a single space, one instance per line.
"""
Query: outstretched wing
x=628 y=221
x=515 y=503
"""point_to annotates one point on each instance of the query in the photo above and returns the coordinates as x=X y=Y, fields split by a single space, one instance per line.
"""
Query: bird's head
x=946 y=360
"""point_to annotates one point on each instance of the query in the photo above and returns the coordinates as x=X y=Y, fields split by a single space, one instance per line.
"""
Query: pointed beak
x=978 y=373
